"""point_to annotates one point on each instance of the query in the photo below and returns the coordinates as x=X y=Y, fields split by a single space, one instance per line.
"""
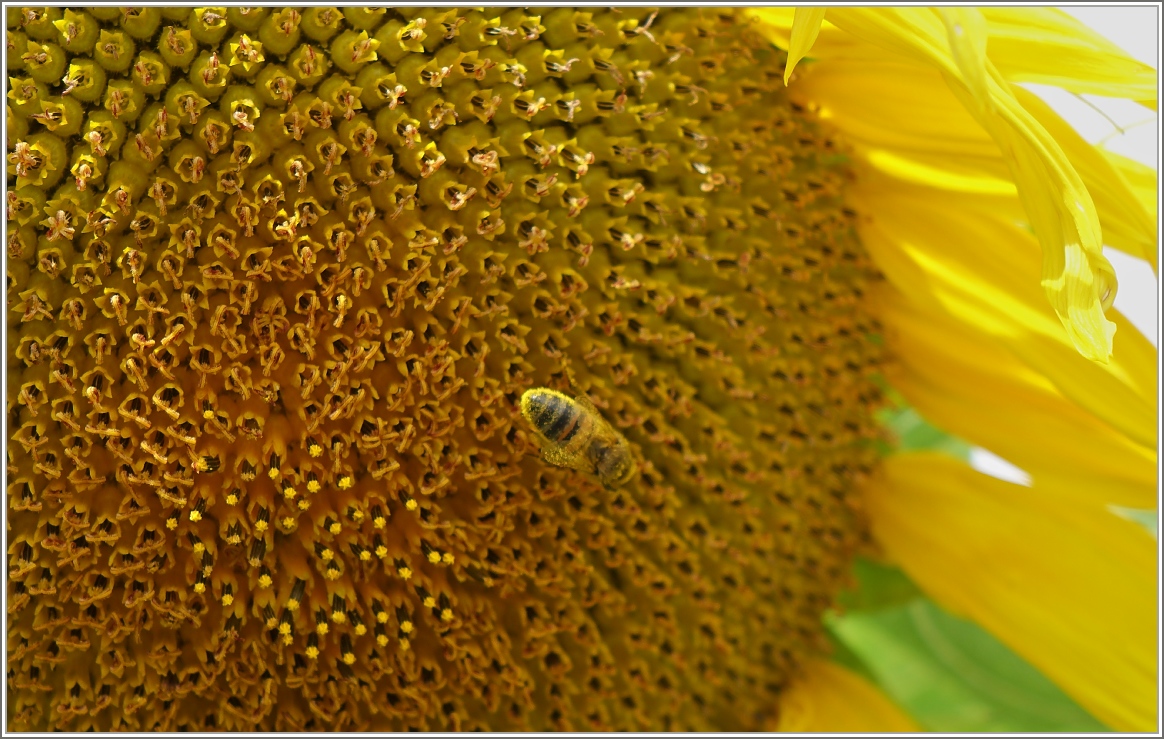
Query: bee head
x=614 y=463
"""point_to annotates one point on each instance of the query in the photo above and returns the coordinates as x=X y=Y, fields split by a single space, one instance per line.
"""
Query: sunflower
x=278 y=279
x=974 y=193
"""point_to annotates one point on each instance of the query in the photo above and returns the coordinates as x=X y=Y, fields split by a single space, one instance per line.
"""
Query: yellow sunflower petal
x=1076 y=276
x=898 y=106
x=966 y=30
x=829 y=698
x=1142 y=182
x=1141 y=178
x=1071 y=588
x=916 y=132
x=920 y=126
x=1078 y=280
x=1049 y=47
x=805 y=29
x=966 y=383
x=831 y=42
x=961 y=259
x=953 y=177
x=1127 y=224
x=1039 y=45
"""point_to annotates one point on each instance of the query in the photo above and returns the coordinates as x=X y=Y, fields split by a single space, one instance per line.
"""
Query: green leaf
x=878 y=586
x=908 y=431
x=842 y=655
x=914 y=433
x=953 y=676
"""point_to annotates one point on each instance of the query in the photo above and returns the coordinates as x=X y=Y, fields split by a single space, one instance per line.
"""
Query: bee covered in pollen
x=574 y=434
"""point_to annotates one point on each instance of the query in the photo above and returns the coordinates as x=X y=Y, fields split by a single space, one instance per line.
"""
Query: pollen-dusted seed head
x=277 y=280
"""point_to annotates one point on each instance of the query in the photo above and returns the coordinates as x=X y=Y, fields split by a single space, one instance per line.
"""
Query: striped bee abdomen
x=556 y=416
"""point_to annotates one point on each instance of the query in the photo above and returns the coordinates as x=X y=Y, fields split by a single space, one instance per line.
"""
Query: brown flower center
x=276 y=283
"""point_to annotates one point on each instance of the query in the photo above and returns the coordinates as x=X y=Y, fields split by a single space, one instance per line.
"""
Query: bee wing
x=605 y=428
x=583 y=400
x=579 y=394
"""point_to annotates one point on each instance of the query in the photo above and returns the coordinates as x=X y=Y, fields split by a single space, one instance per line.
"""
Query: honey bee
x=575 y=435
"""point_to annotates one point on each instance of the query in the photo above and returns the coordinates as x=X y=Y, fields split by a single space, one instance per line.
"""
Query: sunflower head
x=277 y=281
